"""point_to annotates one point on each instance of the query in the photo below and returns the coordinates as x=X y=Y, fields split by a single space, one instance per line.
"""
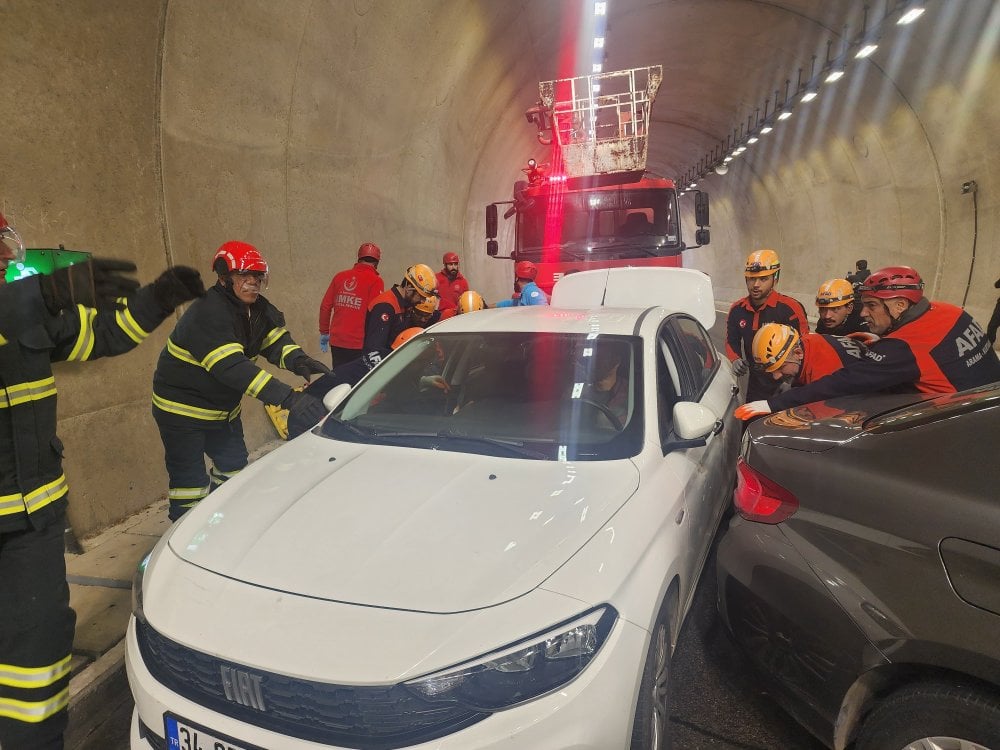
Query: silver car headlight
x=523 y=670
x=140 y=573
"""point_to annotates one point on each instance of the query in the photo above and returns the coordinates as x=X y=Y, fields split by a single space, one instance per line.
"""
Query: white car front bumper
x=593 y=712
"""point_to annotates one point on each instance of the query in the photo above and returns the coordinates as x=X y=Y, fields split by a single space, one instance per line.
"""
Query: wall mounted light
x=913 y=11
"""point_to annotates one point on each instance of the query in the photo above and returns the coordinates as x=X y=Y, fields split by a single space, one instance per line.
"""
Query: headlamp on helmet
x=762 y=263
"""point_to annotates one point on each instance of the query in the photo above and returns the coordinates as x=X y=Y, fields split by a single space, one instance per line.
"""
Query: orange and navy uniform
x=743 y=322
x=936 y=348
x=823 y=355
x=345 y=305
x=386 y=319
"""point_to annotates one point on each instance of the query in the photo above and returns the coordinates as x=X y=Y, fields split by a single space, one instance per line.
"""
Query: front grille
x=367 y=718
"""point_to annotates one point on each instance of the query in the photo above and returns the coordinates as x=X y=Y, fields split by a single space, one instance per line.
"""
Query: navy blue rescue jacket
x=32 y=483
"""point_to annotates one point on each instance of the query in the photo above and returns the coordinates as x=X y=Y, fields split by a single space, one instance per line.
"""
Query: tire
x=933 y=716
x=651 y=729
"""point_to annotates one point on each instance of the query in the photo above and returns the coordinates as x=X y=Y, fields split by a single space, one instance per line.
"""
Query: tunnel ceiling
x=725 y=60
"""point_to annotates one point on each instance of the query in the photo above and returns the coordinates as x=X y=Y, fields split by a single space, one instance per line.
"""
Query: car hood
x=822 y=425
x=405 y=528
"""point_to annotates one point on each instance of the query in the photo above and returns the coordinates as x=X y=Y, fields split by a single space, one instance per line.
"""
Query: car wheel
x=651 y=730
x=933 y=716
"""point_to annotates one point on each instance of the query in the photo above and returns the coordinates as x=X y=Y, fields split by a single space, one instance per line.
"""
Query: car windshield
x=542 y=396
x=601 y=224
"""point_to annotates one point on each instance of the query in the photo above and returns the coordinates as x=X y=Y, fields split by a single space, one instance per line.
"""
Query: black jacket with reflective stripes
x=208 y=363
x=32 y=483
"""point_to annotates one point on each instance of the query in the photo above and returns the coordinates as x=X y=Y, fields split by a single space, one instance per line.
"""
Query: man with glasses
x=208 y=365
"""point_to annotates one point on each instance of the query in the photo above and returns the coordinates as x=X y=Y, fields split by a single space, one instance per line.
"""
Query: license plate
x=185 y=735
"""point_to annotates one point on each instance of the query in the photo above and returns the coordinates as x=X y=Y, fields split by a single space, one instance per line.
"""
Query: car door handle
x=680 y=517
x=719 y=427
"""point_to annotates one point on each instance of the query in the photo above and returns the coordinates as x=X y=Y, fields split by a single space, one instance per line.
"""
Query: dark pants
x=185 y=447
x=341 y=356
x=36 y=637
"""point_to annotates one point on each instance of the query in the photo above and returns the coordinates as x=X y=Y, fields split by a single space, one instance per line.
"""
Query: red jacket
x=345 y=305
x=450 y=290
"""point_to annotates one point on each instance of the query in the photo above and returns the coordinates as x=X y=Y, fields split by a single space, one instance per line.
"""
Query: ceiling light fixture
x=600 y=9
x=911 y=15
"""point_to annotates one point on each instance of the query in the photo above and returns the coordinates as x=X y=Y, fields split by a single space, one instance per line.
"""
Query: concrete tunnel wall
x=157 y=130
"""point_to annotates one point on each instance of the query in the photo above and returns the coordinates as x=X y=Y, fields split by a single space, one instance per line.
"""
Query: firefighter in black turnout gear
x=46 y=319
x=208 y=365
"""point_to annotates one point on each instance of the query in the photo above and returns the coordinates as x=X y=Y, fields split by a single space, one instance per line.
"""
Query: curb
x=90 y=692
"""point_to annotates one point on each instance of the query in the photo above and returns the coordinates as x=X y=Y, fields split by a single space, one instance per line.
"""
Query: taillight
x=757 y=498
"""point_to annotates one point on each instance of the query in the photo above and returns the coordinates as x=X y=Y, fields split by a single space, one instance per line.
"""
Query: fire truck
x=594 y=205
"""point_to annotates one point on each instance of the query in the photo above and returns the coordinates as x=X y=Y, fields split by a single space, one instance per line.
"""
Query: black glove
x=93 y=283
x=306 y=366
x=304 y=411
x=740 y=367
x=177 y=285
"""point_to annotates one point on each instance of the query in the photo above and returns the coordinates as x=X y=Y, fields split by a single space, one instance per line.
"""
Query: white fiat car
x=491 y=542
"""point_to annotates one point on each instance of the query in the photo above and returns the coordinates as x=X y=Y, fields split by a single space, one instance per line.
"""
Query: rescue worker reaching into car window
x=789 y=358
x=345 y=305
x=77 y=314
x=451 y=283
x=526 y=291
x=924 y=346
x=208 y=366
x=763 y=304
x=839 y=313
x=388 y=312
x=425 y=313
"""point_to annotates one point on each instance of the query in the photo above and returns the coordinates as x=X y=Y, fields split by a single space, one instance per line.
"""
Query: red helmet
x=894 y=281
x=369 y=250
x=10 y=237
x=450 y=258
x=525 y=269
x=239 y=256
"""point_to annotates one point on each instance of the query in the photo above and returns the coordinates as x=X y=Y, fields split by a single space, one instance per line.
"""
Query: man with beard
x=763 y=304
x=451 y=283
x=839 y=313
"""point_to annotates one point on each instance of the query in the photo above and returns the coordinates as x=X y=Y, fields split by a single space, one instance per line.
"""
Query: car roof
x=622 y=321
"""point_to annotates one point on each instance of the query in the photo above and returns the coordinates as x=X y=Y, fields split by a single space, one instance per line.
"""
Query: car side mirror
x=491 y=223
x=492 y=248
x=702 y=237
x=335 y=395
x=693 y=425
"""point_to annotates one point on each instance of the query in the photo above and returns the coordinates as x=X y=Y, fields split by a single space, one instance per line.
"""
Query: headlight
x=140 y=572
x=524 y=670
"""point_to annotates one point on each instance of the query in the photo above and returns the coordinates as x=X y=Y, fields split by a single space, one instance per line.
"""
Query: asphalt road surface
x=718 y=701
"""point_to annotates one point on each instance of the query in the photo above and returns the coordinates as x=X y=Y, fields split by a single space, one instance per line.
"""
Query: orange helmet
x=405 y=336
x=772 y=344
x=470 y=302
x=835 y=293
x=238 y=257
x=894 y=281
x=422 y=278
x=525 y=269
x=428 y=306
x=762 y=263
x=370 y=250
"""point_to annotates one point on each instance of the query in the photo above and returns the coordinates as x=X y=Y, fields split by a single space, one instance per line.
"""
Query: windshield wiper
x=514 y=446
x=350 y=427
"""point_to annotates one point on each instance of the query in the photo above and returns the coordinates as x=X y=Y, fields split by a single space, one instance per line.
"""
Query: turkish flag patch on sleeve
x=385 y=317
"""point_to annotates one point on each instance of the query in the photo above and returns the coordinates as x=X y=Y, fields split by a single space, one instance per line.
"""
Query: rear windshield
x=541 y=396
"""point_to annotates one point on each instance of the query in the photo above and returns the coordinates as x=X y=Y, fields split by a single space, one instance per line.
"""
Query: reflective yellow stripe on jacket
x=33 y=712
x=33 y=677
x=195 y=412
x=37 y=498
x=33 y=390
x=129 y=325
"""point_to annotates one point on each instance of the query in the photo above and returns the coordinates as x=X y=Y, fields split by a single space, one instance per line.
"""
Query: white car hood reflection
x=423 y=530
